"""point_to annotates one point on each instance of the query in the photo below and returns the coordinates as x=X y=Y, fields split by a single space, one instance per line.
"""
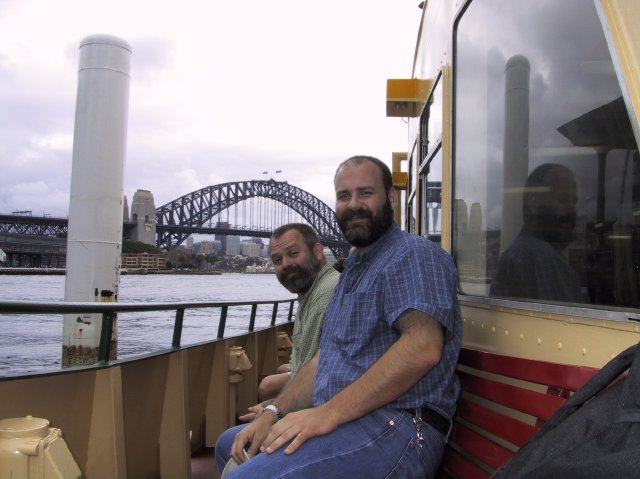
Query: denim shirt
x=399 y=273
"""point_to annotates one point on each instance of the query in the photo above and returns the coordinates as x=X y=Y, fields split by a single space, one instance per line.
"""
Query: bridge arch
x=199 y=207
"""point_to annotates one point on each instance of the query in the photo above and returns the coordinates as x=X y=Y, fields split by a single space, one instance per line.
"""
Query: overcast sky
x=220 y=91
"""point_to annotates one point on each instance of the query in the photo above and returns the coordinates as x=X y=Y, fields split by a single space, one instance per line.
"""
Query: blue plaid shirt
x=400 y=272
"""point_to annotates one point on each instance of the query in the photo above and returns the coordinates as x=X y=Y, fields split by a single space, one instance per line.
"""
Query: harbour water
x=33 y=343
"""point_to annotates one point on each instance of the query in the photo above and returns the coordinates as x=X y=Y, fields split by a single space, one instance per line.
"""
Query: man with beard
x=377 y=398
x=301 y=267
x=533 y=266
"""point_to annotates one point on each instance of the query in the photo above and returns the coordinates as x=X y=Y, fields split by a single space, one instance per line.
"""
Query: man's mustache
x=291 y=269
x=357 y=214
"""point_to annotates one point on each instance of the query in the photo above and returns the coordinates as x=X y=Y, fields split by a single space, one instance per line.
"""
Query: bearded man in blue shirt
x=378 y=397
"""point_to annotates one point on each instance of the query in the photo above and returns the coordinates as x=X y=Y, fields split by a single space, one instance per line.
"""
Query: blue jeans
x=382 y=444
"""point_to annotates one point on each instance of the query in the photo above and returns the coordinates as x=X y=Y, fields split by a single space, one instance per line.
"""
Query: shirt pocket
x=360 y=318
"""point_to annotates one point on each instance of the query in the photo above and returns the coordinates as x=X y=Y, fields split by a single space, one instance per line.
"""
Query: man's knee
x=223 y=445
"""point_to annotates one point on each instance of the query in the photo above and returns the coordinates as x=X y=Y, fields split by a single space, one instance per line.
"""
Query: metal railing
x=109 y=311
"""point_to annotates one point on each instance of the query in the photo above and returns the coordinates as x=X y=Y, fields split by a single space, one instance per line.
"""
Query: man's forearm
x=298 y=392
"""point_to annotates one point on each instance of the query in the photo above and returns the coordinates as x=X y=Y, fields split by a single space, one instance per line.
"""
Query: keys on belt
x=436 y=420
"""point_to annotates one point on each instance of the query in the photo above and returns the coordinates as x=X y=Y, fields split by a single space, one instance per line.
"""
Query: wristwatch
x=275 y=410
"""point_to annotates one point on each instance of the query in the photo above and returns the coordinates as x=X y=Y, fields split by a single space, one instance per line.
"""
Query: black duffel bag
x=595 y=434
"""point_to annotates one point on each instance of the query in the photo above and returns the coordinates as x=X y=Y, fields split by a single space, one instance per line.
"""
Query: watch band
x=275 y=410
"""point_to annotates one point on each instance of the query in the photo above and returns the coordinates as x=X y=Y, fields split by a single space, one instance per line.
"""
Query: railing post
x=223 y=321
x=177 y=328
x=105 y=336
x=252 y=319
x=290 y=311
x=274 y=314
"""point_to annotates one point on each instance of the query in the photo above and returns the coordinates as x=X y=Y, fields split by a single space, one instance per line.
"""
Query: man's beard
x=299 y=278
x=366 y=233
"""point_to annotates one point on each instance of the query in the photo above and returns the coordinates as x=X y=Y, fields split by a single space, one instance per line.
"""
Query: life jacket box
x=30 y=449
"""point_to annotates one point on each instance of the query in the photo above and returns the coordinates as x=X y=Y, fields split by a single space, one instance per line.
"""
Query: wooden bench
x=505 y=400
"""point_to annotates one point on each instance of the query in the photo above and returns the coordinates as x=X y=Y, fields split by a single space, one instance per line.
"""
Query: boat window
x=430 y=174
x=431 y=122
x=431 y=200
x=547 y=172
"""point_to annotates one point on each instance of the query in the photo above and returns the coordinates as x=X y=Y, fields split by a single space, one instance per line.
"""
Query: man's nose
x=286 y=262
x=354 y=203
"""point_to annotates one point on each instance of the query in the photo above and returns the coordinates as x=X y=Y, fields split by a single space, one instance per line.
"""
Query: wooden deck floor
x=203 y=465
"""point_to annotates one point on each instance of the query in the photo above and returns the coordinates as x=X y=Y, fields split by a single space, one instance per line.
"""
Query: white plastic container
x=30 y=449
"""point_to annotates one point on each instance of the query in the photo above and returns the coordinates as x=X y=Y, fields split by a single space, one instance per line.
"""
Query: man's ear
x=393 y=198
x=318 y=251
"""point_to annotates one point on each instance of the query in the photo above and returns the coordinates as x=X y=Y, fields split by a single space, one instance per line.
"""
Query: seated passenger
x=534 y=266
x=378 y=397
x=301 y=267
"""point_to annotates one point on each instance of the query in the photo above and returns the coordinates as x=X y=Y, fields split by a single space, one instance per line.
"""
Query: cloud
x=220 y=91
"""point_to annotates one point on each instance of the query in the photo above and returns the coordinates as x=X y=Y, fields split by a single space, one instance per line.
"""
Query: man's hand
x=252 y=435
x=296 y=395
x=298 y=427
x=252 y=414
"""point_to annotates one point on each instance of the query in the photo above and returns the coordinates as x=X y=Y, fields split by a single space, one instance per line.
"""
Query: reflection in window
x=547 y=175
x=431 y=200
x=409 y=219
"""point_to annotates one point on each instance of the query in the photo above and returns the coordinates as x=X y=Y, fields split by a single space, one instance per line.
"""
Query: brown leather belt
x=434 y=419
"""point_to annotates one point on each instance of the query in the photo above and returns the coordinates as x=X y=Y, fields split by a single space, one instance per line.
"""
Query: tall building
x=263 y=247
x=125 y=210
x=217 y=247
x=143 y=214
x=251 y=249
x=222 y=238
x=233 y=246
x=475 y=217
x=462 y=215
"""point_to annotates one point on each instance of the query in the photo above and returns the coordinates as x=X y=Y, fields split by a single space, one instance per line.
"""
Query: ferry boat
x=498 y=88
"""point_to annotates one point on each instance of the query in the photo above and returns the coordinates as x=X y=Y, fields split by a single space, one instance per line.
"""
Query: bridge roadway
x=58 y=227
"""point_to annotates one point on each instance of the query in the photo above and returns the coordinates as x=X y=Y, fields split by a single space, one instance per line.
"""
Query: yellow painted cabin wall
x=554 y=337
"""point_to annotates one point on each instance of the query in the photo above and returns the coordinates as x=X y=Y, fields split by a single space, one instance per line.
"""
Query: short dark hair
x=385 y=172
x=309 y=235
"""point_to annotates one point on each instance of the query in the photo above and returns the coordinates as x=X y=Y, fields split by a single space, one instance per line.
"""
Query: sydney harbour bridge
x=251 y=208
x=258 y=206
